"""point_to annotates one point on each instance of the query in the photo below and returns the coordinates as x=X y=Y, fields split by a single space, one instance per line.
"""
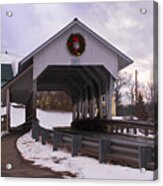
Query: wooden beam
x=34 y=99
x=82 y=106
x=8 y=121
x=29 y=109
x=100 y=105
x=109 y=93
x=74 y=112
x=17 y=77
x=86 y=103
x=93 y=102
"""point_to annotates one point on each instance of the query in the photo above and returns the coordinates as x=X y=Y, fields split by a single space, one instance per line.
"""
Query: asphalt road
x=20 y=167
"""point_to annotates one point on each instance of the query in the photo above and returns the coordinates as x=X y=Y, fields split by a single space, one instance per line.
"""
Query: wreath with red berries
x=76 y=44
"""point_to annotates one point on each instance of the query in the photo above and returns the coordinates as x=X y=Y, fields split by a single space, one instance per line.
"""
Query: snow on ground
x=47 y=119
x=17 y=115
x=82 y=167
x=3 y=133
x=50 y=119
x=3 y=111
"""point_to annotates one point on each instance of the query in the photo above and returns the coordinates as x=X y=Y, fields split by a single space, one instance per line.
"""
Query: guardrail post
x=146 y=132
x=134 y=130
x=43 y=136
x=57 y=138
x=121 y=129
x=145 y=156
x=76 y=143
x=105 y=146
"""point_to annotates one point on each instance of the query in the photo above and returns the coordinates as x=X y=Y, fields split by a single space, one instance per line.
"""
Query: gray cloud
x=121 y=24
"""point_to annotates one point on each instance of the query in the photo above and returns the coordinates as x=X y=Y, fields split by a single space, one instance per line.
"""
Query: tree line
x=50 y=100
x=134 y=98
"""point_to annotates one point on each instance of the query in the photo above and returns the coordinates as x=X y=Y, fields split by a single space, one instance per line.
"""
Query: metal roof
x=6 y=72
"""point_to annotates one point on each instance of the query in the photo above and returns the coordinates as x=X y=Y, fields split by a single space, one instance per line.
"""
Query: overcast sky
x=120 y=23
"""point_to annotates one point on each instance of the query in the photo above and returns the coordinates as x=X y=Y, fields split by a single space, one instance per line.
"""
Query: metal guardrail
x=142 y=128
x=126 y=152
x=133 y=152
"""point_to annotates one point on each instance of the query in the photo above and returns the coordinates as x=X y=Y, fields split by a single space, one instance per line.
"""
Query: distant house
x=6 y=73
x=9 y=66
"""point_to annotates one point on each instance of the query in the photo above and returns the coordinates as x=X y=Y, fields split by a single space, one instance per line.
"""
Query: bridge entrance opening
x=90 y=88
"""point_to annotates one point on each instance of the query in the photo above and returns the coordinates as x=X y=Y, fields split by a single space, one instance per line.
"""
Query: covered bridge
x=75 y=60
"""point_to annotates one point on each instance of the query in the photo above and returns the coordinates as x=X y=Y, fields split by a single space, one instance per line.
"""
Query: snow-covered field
x=47 y=119
x=82 y=167
x=17 y=115
x=50 y=119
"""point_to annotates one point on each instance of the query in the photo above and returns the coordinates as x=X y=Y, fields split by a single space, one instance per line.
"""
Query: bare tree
x=148 y=95
x=140 y=108
x=122 y=84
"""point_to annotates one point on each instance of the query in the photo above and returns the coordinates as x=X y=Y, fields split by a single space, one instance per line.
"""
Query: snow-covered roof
x=9 y=58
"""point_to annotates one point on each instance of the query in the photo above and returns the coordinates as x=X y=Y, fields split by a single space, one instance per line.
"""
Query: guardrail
x=40 y=132
x=146 y=129
x=106 y=146
x=120 y=150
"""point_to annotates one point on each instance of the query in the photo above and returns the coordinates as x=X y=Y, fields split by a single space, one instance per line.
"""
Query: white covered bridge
x=75 y=60
x=78 y=61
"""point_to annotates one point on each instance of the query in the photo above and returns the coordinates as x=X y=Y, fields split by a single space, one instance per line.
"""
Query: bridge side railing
x=137 y=128
x=103 y=146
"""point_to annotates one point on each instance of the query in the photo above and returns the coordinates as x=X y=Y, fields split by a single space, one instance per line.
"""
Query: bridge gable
x=56 y=53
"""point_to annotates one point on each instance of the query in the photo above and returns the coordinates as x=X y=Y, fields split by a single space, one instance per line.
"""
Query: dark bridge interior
x=90 y=87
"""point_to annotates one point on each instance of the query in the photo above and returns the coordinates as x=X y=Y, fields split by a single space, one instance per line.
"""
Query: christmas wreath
x=76 y=44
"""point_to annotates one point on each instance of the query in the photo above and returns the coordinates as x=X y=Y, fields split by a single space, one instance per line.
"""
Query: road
x=20 y=167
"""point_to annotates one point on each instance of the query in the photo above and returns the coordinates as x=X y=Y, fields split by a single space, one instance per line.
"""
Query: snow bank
x=82 y=167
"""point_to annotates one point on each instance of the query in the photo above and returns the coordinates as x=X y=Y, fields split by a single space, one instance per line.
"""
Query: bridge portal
x=75 y=60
